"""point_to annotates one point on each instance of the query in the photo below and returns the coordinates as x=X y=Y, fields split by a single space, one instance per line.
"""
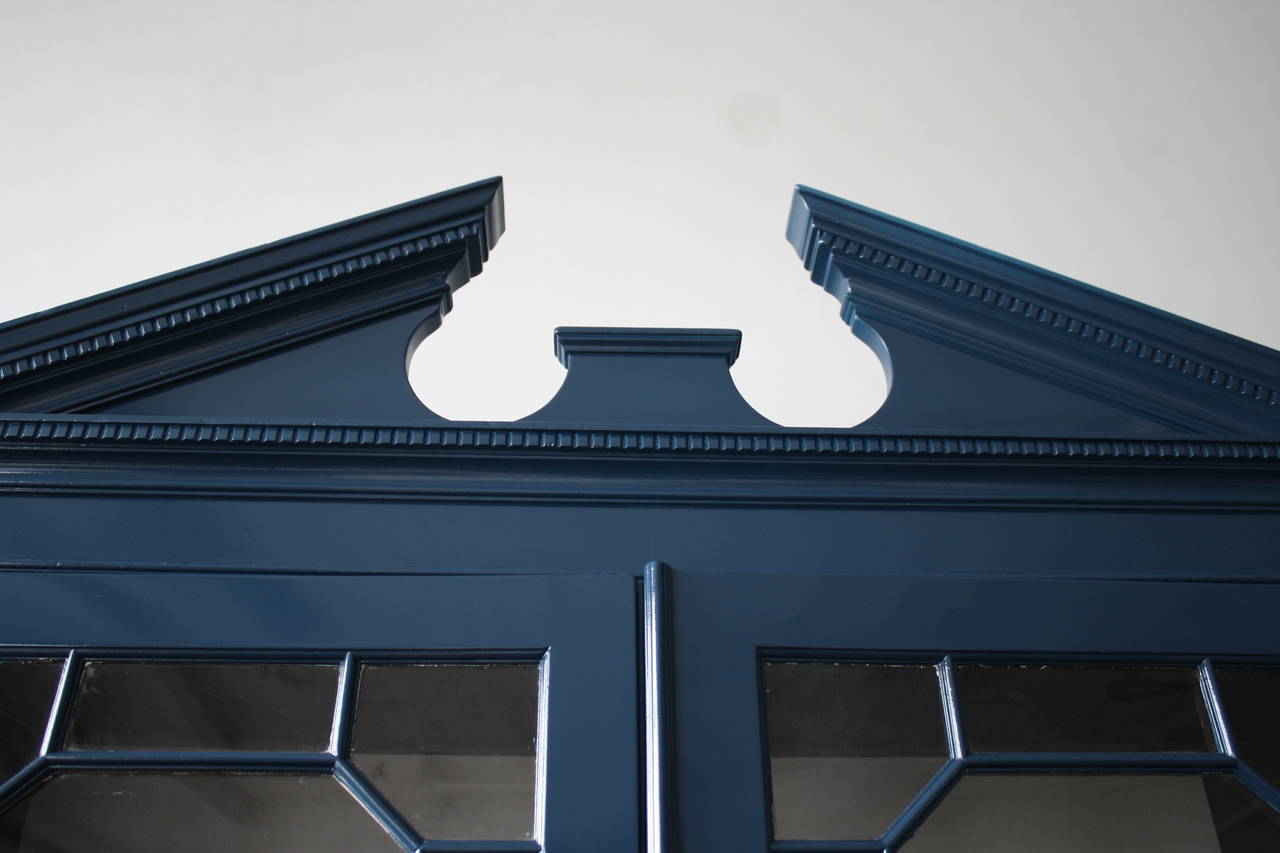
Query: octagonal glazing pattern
x=850 y=745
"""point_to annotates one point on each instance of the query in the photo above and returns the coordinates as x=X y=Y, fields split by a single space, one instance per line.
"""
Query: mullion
x=63 y=697
x=344 y=706
x=1261 y=788
x=900 y=831
x=1223 y=760
x=1109 y=762
x=812 y=846
x=932 y=796
x=1213 y=706
x=367 y=794
x=53 y=757
x=479 y=847
x=541 y=740
x=919 y=809
x=935 y=789
x=371 y=799
x=956 y=741
x=214 y=760
x=352 y=780
x=17 y=785
x=315 y=657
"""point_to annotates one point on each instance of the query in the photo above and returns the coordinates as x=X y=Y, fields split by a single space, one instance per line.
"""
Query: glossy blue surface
x=229 y=461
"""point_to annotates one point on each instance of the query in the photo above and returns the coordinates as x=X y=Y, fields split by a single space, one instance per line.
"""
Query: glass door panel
x=839 y=710
x=374 y=712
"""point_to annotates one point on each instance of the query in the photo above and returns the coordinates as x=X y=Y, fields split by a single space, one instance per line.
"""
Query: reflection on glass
x=26 y=698
x=1088 y=812
x=452 y=746
x=194 y=813
x=199 y=706
x=1083 y=709
x=1250 y=699
x=850 y=745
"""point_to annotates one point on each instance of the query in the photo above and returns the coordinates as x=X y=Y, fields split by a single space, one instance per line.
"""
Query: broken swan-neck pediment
x=318 y=328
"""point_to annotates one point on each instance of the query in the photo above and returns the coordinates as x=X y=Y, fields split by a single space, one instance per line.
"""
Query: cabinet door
x=270 y=711
x=839 y=712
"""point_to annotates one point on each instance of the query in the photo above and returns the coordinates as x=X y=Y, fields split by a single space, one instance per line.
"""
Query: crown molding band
x=51 y=432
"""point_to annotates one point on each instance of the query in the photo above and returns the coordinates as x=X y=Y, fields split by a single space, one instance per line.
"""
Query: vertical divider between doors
x=658 y=722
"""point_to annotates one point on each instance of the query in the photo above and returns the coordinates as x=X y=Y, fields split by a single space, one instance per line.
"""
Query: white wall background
x=649 y=151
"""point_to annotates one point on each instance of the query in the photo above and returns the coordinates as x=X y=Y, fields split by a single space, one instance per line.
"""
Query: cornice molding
x=160 y=330
x=1001 y=301
x=69 y=433
x=1064 y=332
x=193 y=313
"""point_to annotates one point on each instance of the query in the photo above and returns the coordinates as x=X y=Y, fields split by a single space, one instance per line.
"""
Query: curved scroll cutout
x=829 y=379
x=463 y=376
x=794 y=372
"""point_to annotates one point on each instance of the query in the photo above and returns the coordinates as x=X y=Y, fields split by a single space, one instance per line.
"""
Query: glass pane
x=1250 y=699
x=452 y=746
x=1083 y=709
x=1244 y=823
x=1085 y=813
x=850 y=745
x=26 y=698
x=198 y=706
x=223 y=812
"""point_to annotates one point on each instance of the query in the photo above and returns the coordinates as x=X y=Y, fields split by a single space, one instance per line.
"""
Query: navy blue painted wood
x=1001 y=322
x=662 y=820
x=230 y=533
x=658 y=377
x=721 y=762
x=321 y=289
x=358 y=372
x=587 y=625
x=229 y=460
